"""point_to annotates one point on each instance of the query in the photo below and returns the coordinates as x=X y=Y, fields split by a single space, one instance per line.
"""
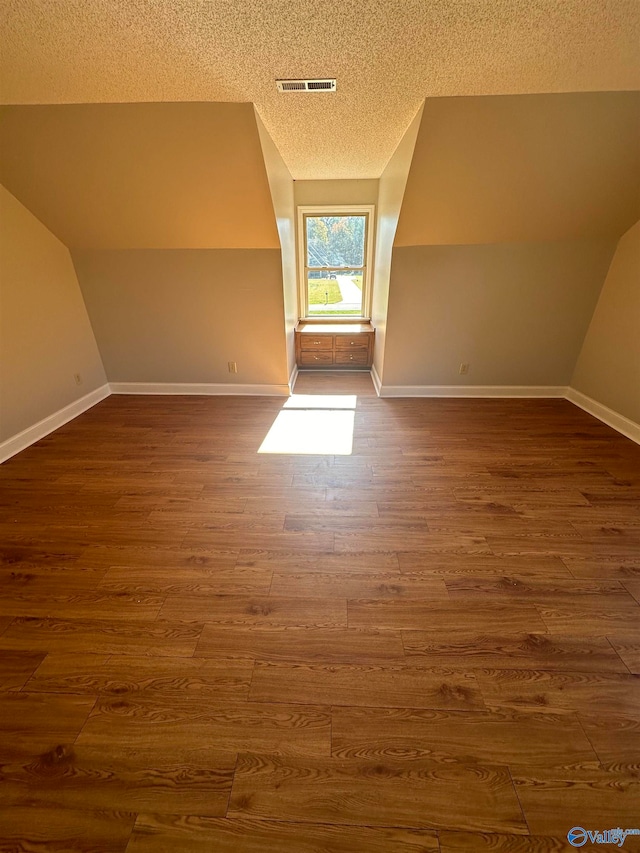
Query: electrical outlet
x=77 y=378
x=233 y=367
x=464 y=368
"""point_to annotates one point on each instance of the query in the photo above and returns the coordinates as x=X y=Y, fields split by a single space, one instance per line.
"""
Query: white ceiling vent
x=326 y=85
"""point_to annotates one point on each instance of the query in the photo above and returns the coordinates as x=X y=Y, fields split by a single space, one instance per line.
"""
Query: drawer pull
x=317 y=342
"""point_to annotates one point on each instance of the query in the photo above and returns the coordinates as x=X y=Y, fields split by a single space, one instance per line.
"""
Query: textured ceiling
x=387 y=55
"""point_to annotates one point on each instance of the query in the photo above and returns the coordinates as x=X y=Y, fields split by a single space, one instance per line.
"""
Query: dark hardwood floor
x=431 y=644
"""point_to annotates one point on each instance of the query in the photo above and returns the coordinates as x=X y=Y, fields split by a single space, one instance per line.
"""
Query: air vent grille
x=326 y=85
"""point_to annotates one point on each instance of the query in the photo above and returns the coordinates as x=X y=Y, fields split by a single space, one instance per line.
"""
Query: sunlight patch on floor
x=315 y=425
x=321 y=401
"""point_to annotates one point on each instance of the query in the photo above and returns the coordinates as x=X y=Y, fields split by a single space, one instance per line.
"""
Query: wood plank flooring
x=431 y=645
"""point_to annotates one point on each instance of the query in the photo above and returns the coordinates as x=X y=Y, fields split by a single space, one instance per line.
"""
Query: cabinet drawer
x=315 y=342
x=357 y=356
x=352 y=342
x=320 y=357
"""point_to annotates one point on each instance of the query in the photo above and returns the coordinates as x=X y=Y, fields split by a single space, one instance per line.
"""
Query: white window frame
x=367 y=210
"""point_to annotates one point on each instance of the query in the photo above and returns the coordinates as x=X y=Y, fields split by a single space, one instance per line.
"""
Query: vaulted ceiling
x=140 y=176
x=388 y=55
x=523 y=168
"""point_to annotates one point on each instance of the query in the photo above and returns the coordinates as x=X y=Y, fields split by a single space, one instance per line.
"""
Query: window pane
x=335 y=241
x=334 y=291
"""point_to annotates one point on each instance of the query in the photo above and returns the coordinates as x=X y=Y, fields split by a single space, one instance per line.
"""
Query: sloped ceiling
x=387 y=56
x=523 y=169
x=143 y=176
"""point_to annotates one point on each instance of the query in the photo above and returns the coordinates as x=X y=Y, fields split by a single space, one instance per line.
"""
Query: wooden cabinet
x=338 y=345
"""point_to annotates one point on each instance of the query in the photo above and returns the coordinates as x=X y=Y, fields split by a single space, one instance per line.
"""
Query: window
x=335 y=261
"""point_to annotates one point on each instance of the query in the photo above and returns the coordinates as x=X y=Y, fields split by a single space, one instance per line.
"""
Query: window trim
x=367 y=210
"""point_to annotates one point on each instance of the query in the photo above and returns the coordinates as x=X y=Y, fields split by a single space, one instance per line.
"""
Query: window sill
x=345 y=318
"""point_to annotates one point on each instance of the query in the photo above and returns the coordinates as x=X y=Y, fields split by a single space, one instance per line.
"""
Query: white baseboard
x=616 y=421
x=199 y=388
x=29 y=436
x=472 y=390
x=627 y=427
x=377 y=382
x=293 y=377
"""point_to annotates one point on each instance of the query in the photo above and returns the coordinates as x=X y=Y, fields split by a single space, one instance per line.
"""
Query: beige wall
x=510 y=216
x=181 y=315
x=517 y=313
x=336 y=192
x=391 y=189
x=45 y=335
x=608 y=369
x=282 y=195
x=141 y=176
x=168 y=212
x=523 y=168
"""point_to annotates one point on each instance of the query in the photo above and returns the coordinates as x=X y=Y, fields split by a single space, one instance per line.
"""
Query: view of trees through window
x=335 y=261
